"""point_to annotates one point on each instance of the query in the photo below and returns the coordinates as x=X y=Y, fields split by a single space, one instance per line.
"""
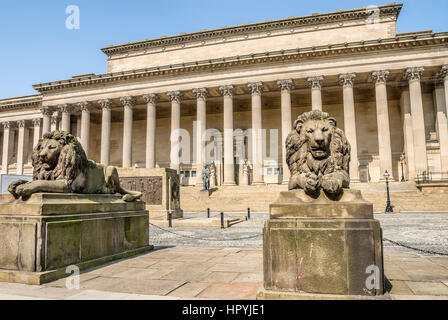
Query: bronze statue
x=206 y=178
x=60 y=165
x=318 y=155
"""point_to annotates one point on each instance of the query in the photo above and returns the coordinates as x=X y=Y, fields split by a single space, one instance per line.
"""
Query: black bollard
x=170 y=220
x=248 y=213
x=208 y=212
x=222 y=220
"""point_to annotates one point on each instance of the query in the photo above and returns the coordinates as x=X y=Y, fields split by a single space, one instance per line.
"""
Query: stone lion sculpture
x=318 y=155
x=60 y=165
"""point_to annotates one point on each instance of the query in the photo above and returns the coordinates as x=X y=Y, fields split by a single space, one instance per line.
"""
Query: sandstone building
x=387 y=90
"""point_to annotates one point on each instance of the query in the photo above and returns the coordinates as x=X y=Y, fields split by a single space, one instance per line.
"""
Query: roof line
x=308 y=52
x=340 y=15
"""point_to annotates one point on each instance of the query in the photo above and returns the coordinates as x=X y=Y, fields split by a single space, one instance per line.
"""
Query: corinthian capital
x=443 y=73
x=105 y=103
x=286 y=84
x=316 y=82
x=21 y=123
x=151 y=98
x=6 y=124
x=37 y=122
x=414 y=73
x=227 y=90
x=200 y=93
x=128 y=101
x=46 y=111
x=380 y=76
x=67 y=108
x=85 y=106
x=256 y=87
x=175 y=96
x=347 y=79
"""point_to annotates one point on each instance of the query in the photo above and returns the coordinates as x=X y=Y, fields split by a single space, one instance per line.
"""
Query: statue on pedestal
x=246 y=172
x=60 y=165
x=321 y=240
x=212 y=174
x=206 y=178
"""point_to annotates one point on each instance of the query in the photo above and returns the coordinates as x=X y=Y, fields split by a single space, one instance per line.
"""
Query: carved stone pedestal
x=322 y=248
x=160 y=188
x=39 y=238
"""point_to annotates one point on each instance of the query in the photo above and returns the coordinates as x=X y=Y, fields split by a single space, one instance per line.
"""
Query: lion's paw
x=331 y=185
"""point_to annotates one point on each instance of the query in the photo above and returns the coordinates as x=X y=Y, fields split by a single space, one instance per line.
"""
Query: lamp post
x=388 y=205
x=402 y=157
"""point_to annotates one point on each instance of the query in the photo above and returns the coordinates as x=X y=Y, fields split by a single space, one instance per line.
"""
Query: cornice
x=314 y=19
x=26 y=102
x=400 y=42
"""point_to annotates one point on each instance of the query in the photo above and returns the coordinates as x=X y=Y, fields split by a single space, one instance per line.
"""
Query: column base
x=231 y=183
x=355 y=180
x=258 y=183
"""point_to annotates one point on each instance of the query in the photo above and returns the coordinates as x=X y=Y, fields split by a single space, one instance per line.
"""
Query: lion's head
x=58 y=156
x=317 y=145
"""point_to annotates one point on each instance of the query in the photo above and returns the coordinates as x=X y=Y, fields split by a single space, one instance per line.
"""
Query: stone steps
x=404 y=197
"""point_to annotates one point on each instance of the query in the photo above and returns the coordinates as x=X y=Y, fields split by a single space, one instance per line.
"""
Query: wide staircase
x=405 y=197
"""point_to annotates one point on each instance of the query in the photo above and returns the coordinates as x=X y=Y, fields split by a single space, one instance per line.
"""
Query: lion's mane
x=71 y=163
x=297 y=152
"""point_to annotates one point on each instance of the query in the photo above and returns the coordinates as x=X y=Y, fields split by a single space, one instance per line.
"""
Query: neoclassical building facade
x=247 y=84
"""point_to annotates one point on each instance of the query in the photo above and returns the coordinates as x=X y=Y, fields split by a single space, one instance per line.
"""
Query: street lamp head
x=386 y=175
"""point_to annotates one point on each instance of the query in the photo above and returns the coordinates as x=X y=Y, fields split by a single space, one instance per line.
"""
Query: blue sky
x=37 y=47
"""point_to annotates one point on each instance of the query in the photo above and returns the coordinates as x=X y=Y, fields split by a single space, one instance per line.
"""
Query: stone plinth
x=160 y=188
x=321 y=248
x=39 y=238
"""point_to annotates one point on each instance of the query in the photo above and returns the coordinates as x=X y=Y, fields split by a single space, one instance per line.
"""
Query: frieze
x=150 y=187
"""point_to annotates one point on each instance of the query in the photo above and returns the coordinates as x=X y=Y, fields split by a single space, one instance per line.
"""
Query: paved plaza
x=228 y=264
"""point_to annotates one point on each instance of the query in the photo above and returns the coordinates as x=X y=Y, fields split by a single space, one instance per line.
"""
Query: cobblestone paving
x=426 y=231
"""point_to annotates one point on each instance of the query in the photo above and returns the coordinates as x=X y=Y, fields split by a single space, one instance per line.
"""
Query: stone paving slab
x=218 y=273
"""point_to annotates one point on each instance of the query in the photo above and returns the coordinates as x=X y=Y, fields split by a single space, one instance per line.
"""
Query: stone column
x=442 y=97
x=256 y=89
x=66 y=110
x=229 y=166
x=201 y=120
x=78 y=127
x=382 y=118
x=36 y=131
x=316 y=91
x=175 y=97
x=5 y=156
x=285 y=89
x=128 y=103
x=413 y=75
x=85 y=107
x=106 y=105
x=20 y=147
x=407 y=131
x=151 y=101
x=346 y=81
x=46 y=122
x=442 y=125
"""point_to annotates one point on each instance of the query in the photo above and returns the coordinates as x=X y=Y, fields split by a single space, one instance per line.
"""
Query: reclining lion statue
x=318 y=155
x=60 y=165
